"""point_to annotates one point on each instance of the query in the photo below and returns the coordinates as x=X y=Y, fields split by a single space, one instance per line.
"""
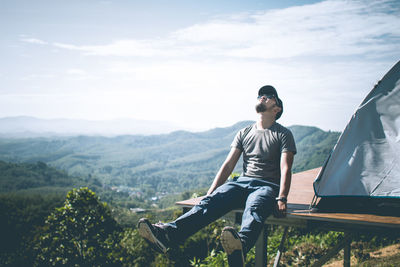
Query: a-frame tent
x=363 y=170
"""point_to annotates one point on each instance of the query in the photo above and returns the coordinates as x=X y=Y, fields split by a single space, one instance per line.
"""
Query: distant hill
x=172 y=162
x=21 y=176
x=313 y=146
x=24 y=126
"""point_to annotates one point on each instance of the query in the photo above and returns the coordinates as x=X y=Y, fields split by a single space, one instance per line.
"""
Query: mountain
x=172 y=162
x=23 y=126
x=313 y=146
x=21 y=176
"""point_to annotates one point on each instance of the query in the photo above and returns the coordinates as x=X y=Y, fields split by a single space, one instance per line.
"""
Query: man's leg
x=227 y=197
x=259 y=205
x=154 y=234
x=233 y=246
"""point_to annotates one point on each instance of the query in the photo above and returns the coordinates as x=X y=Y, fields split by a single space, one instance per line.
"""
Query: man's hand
x=281 y=206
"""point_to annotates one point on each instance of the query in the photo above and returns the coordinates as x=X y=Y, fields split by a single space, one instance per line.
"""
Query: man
x=268 y=150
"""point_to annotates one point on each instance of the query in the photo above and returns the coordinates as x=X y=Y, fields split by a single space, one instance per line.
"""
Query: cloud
x=122 y=48
x=329 y=28
x=76 y=72
x=34 y=41
x=79 y=74
x=32 y=77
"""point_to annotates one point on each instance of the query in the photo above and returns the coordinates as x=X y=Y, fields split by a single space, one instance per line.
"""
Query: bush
x=80 y=233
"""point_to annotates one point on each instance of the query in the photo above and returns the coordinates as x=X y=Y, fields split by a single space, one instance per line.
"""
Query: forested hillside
x=42 y=227
x=313 y=146
x=170 y=162
x=23 y=176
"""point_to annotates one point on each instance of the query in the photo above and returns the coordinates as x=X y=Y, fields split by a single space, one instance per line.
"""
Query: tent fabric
x=365 y=162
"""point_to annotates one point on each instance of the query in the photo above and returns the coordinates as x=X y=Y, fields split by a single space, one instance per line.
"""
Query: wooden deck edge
x=298 y=215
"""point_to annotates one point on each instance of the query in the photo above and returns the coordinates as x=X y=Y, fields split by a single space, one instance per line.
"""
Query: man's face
x=265 y=103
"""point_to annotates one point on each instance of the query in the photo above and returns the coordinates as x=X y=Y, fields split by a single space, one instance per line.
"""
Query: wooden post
x=346 y=250
x=261 y=247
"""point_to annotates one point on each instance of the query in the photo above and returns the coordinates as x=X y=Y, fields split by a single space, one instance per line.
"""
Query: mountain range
x=25 y=126
x=172 y=162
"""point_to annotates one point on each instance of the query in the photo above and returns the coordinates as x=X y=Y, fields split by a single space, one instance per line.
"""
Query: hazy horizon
x=27 y=126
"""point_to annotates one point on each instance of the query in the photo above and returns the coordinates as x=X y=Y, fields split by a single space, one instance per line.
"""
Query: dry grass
x=384 y=257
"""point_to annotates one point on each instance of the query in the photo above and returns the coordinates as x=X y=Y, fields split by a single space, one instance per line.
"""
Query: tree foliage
x=80 y=233
x=21 y=219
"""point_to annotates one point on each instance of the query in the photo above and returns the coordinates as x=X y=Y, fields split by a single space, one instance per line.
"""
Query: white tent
x=366 y=159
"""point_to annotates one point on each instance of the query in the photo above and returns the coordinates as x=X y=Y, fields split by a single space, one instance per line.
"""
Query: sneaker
x=154 y=234
x=233 y=247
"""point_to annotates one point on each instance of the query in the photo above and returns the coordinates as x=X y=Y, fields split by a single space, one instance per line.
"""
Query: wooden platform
x=301 y=192
x=300 y=198
x=299 y=214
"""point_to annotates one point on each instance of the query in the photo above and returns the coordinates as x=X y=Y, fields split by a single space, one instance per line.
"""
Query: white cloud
x=329 y=28
x=34 y=41
x=32 y=77
x=121 y=48
x=76 y=72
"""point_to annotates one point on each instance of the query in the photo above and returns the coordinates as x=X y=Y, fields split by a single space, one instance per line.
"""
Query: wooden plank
x=301 y=188
x=189 y=202
x=301 y=192
x=349 y=218
x=297 y=214
x=299 y=199
x=287 y=221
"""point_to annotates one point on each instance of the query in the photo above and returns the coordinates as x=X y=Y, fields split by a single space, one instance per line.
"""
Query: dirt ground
x=381 y=253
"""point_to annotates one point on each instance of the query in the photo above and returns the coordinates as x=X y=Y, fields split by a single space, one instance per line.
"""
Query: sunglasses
x=266 y=96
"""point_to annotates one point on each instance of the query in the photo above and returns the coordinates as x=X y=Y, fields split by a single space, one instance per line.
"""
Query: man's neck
x=265 y=121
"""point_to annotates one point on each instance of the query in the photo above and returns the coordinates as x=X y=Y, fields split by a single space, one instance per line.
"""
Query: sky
x=196 y=64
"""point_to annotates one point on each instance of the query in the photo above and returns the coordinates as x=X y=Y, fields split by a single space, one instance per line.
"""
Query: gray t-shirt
x=262 y=150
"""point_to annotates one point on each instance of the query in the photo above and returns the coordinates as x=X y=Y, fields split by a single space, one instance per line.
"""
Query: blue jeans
x=255 y=196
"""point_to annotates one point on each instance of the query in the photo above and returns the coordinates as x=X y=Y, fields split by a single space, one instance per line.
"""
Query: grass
x=389 y=261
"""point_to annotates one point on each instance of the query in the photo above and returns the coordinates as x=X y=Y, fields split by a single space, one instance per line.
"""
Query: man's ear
x=277 y=109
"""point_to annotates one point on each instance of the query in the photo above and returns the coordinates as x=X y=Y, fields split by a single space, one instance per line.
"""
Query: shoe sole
x=227 y=240
x=229 y=243
x=144 y=228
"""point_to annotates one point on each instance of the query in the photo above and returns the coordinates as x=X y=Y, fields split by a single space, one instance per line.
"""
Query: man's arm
x=226 y=169
x=286 y=178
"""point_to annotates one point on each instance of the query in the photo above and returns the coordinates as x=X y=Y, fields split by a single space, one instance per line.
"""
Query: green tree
x=80 y=233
